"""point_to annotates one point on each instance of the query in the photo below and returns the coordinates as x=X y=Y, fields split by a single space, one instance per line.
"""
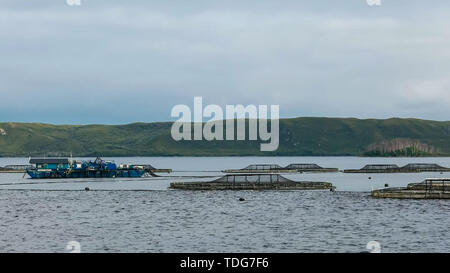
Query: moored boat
x=68 y=168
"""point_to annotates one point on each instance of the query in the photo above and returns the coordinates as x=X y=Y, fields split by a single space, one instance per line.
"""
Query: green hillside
x=298 y=136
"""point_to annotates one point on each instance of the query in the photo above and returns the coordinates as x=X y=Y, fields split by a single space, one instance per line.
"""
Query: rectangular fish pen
x=252 y=182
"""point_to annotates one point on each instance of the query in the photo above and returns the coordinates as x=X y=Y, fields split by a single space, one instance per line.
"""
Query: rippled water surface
x=142 y=215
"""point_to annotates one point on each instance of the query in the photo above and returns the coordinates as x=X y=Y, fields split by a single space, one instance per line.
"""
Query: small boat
x=252 y=182
x=274 y=168
x=98 y=168
x=431 y=188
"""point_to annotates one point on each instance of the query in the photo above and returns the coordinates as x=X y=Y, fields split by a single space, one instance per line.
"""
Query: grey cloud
x=125 y=61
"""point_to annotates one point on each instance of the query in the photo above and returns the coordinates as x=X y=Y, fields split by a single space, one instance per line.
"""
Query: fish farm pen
x=258 y=168
x=274 y=168
x=252 y=182
x=432 y=188
x=424 y=167
x=310 y=168
x=392 y=168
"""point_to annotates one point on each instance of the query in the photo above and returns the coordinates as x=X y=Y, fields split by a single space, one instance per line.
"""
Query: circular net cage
x=380 y=167
x=253 y=178
x=259 y=167
x=303 y=166
x=415 y=166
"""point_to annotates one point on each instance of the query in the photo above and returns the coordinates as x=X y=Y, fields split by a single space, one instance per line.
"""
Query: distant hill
x=298 y=137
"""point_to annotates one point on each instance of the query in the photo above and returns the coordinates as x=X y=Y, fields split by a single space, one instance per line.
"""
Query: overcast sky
x=121 y=61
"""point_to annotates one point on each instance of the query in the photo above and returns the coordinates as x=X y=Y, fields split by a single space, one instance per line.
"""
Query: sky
x=121 y=61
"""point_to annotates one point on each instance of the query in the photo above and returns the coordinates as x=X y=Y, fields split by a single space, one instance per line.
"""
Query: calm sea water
x=142 y=215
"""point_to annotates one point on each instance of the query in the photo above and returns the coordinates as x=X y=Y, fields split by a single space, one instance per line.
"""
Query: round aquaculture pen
x=431 y=188
x=274 y=168
x=392 y=168
x=252 y=182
